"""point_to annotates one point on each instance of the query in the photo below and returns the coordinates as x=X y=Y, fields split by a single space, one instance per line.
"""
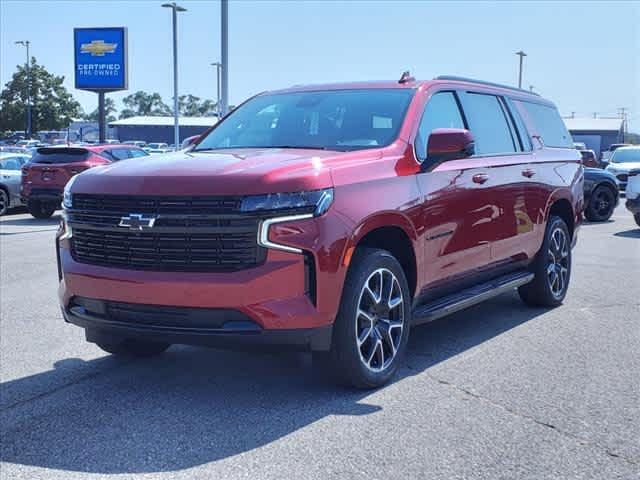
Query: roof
x=153 y=121
x=588 y=124
x=413 y=84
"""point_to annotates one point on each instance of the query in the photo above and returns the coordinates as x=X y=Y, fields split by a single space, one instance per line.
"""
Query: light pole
x=224 y=54
x=521 y=54
x=176 y=125
x=26 y=43
x=218 y=66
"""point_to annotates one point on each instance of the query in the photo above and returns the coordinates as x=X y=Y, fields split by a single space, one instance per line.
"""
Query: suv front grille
x=197 y=234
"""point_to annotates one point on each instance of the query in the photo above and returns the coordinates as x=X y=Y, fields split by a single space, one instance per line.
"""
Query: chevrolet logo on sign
x=98 y=48
x=137 y=221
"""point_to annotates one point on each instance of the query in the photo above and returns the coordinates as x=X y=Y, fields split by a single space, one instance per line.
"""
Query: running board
x=468 y=297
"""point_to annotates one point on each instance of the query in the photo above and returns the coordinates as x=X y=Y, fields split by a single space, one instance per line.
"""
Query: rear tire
x=4 y=201
x=133 y=348
x=41 y=209
x=601 y=204
x=551 y=267
x=371 y=329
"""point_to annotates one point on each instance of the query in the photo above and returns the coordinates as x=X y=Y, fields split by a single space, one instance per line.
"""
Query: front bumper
x=633 y=205
x=221 y=328
x=290 y=299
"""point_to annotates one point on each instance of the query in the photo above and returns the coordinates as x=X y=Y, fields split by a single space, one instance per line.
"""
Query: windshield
x=333 y=120
x=624 y=155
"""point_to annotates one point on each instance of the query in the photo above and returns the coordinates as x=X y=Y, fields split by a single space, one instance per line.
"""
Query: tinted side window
x=523 y=134
x=120 y=153
x=138 y=153
x=549 y=124
x=441 y=112
x=488 y=124
x=10 y=164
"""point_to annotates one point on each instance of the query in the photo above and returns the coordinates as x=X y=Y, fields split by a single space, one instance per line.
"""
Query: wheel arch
x=392 y=232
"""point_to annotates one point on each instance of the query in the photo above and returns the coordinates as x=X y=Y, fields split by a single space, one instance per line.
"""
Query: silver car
x=10 y=178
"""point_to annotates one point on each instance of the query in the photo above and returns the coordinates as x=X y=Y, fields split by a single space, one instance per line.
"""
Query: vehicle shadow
x=635 y=233
x=193 y=406
x=30 y=221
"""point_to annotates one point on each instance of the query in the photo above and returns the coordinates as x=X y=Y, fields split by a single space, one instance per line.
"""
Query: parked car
x=10 y=165
x=601 y=195
x=622 y=161
x=580 y=145
x=136 y=143
x=44 y=177
x=589 y=159
x=155 y=147
x=606 y=155
x=633 y=194
x=328 y=218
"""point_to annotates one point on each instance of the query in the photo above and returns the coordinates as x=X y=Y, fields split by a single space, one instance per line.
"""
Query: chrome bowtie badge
x=137 y=221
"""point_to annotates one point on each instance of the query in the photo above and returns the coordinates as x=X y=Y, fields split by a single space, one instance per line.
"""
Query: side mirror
x=446 y=144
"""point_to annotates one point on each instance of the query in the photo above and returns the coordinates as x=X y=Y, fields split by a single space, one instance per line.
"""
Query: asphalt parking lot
x=500 y=391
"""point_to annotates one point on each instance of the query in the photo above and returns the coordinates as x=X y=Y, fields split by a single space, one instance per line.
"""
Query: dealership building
x=159 y=129
x=597 y=133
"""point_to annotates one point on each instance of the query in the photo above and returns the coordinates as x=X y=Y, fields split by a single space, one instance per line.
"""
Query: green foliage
x=52 y=106
x=192 y=106
x=142 y=103
x=109 y=112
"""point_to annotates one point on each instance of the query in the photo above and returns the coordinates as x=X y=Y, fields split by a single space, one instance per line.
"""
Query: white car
x=633 y=194
x=623 y=160
x=10 y=178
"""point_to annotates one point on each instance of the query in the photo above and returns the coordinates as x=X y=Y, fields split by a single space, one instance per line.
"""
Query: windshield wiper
x=301 y=147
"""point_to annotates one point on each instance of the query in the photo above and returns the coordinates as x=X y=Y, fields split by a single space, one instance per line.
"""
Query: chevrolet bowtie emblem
x=137 y=221
x=97 y=48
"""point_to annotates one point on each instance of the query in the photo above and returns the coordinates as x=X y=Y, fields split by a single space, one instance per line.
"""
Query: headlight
x=315 y=202
x=67 y=198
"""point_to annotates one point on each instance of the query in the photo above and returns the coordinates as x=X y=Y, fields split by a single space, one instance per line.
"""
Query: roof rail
x=482 y=82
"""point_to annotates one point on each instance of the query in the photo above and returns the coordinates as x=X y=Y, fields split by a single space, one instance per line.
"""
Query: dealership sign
x=100 y=58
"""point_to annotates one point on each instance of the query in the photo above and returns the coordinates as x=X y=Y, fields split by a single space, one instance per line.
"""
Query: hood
x=227 y=172
x=623 y=167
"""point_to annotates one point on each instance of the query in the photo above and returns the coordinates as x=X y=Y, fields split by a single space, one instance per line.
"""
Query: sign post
x=100 y=56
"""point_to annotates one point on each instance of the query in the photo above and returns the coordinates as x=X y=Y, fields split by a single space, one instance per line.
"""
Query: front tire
x=4 y=201
x=40 y=209
x=601 y=204
x=371 y=329
x=551 y=267
x=133 y=348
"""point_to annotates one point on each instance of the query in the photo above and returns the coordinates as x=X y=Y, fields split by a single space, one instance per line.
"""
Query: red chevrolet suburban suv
x=328 y=218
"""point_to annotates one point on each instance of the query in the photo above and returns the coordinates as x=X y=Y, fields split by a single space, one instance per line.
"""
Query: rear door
x=504 y=159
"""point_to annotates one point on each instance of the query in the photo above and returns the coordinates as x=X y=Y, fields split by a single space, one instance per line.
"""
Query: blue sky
x=585 y=56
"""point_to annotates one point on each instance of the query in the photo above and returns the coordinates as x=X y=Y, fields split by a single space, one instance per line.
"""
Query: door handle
x=480 y=178
x=528 y=173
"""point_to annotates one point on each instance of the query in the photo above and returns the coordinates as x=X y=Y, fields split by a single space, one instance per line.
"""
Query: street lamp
x=176 y=125
x=218 y=66
x=521 y=54
x=26 y=43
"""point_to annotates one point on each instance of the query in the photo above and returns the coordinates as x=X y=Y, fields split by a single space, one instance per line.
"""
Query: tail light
x=25 y=171
x=77 y=170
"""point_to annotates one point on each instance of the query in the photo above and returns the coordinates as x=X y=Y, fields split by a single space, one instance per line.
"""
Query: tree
x=192 y=106
x=143 y=103
x=52 y=106
x=109 y=112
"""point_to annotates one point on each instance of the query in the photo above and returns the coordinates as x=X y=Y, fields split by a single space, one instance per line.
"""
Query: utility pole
x=224 y=55
x=218 y=66
x=176 y=122
x=521 y=54
x=26 y=43
x=531 y=88
x=623 y=115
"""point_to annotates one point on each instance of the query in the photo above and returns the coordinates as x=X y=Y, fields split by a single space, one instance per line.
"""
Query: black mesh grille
x=200 y=234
